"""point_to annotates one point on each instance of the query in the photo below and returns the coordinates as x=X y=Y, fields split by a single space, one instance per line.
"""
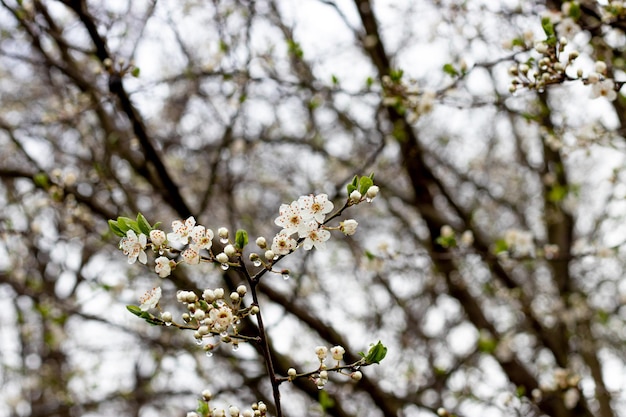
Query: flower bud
x=219 y=293
x=222 y=258
x=261 y=242
x=356 y=375
x=337 y=352
x=206 y=395
x=157 y=237
x=233 y=411
x=348 y=227
x=230 y=250
x=321 y=352
x=234 y=297
x=355 y=196
x=166 y=316
x=372 y=192
x=291 y=372
x=242 y=290
x=269 y=255
x=208 y=295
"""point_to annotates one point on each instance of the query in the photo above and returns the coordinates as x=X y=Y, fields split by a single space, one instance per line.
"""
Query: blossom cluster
x=406 y=97
x=320 y=375
x=554 y=61
x=305 y=219
x=258 y=409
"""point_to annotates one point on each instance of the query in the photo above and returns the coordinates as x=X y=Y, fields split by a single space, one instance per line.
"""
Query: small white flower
x=605 y=88
x=321 y=352
x=315 y=207
x=467 y=238
x=133 y=246
x=290 y=218
x=201 y=237
x=315 y=236
x=181 y=230
x=567 y=28
x=447 y=231
x=282 y=244
x=191 y=255
x=150 y=299
x=348 y=227
x=337 y=352
x=163 y=266
x=222 y=318
x=520 y=242
x=157 y=237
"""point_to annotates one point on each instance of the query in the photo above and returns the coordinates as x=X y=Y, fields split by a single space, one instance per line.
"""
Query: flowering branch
x=214 y=314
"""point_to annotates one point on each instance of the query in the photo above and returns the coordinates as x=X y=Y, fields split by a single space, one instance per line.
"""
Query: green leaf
x=241 y=239
x=574 y=10
x=376 y=353
x=450 y=70
x=396 y=75
x=500 y=246
x=353 y=185
x=143 y=224
x=364 y=184
x=135 y=310
x=203 y=408
x=41 y=180
x=334 y=79
x=447 y=241
x=518 y=42
x=557 y=193
x=116 y=229
x=548 y=29
x=135 y=72
x=125 y=224
x=325 y=400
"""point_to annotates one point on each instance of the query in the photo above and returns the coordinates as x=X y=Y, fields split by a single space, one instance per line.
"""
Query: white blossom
x=163 y=266
x=605 y=88
x=314 y=207
x=150 y=299
x=133 y=246
x=201 y=237
x=282 y=244
x=181 y=230
x=290 y=218
x=315 y=236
